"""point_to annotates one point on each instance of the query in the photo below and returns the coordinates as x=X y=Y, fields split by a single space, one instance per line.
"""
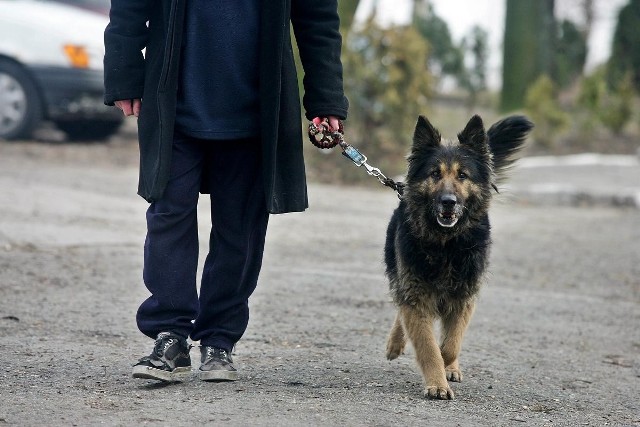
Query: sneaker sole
x=218 y=375
x=149 y=373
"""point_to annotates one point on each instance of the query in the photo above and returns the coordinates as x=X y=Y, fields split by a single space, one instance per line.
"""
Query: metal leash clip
x=359 y=159
x=351 y=153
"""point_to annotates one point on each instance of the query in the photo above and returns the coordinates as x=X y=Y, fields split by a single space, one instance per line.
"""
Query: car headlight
x=77 y=55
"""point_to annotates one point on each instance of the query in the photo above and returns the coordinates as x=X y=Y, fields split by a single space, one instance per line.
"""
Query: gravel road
x=555 y=340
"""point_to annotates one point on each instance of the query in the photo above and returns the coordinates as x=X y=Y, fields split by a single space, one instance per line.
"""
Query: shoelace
x=159 y=342
x=211 y=352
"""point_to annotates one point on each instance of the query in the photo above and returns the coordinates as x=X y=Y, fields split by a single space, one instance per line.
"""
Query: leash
x=322 y=137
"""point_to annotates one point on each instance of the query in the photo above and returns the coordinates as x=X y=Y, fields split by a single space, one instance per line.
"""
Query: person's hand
x=332 y=123
x=326 y=132
x=129 y=107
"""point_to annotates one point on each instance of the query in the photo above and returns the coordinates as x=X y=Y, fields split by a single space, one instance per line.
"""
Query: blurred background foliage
x=394 y=73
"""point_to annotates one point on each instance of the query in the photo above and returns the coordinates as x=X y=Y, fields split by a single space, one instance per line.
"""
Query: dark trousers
x=233 y=174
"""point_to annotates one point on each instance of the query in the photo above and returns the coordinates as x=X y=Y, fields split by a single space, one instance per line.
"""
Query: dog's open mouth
x=447 y=219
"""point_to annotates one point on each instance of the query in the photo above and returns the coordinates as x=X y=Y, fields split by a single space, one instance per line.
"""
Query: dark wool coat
x=154 y=78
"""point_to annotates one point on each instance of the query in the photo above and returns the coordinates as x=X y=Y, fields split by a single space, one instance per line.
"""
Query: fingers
x=334 y=123
x=129 y=107
x=331 y=123
x=137 y=104
x=318 y=121
x=125 y=106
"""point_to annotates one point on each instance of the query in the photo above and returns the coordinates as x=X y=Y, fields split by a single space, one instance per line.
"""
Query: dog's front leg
x=454 y=325
x=419 y=328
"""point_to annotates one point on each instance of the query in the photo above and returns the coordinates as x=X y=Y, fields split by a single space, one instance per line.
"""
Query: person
x=214 y=87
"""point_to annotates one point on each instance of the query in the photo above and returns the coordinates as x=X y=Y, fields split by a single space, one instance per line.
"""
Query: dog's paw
x=454 y=374
x=442 y=393
x=393 y=351
x=391 y=355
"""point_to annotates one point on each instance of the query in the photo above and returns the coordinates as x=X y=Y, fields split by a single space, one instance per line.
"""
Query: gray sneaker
x=169 y=361
x=217 y=365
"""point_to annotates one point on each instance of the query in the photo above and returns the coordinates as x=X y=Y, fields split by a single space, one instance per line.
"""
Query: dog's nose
x=448 y=200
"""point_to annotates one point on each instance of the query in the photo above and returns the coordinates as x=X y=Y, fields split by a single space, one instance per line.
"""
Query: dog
x=438 y=240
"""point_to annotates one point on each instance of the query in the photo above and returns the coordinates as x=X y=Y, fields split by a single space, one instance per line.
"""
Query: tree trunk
x=529 y=40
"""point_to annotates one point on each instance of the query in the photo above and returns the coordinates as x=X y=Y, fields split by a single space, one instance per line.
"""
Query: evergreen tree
x=445 y=56
x=625 y=52
x=570 y=54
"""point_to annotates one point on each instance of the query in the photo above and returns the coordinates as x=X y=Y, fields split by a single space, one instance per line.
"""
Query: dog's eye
x=462 y=176
x=436 y=174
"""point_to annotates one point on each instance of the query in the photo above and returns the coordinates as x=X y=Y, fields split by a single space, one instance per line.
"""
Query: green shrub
x=610 y=107
x=616 y=108
x=542 y=105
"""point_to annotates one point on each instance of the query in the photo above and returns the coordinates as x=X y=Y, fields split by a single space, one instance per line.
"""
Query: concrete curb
x=575 y=198
x=577 y=180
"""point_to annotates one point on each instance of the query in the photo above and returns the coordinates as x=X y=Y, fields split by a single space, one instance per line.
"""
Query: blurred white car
x=101 y=6
x=51 y=69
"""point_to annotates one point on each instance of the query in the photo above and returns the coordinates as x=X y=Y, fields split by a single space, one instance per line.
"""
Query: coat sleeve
x=316 y=26
x=124 y=40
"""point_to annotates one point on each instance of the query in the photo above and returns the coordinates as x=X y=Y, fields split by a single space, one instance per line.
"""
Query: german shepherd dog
x=438 y=240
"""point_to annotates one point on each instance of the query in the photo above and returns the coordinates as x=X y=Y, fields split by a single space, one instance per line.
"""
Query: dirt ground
x=555 y=340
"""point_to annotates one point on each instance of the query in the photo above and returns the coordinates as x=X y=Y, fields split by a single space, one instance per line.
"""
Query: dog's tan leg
x=419 y=328
x=397 y=340
x=454 y=324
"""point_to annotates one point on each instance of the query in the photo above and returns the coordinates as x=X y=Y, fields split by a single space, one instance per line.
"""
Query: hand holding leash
x=322 y=134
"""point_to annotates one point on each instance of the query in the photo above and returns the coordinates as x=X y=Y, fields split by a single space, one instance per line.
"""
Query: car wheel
x=20 y=106
x=89 y=130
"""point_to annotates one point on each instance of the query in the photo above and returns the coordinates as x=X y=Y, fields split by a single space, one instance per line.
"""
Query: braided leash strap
x=321 y=136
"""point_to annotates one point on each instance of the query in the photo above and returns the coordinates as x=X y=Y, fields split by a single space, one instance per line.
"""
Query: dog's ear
x=474 y=136
x=425 y=135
